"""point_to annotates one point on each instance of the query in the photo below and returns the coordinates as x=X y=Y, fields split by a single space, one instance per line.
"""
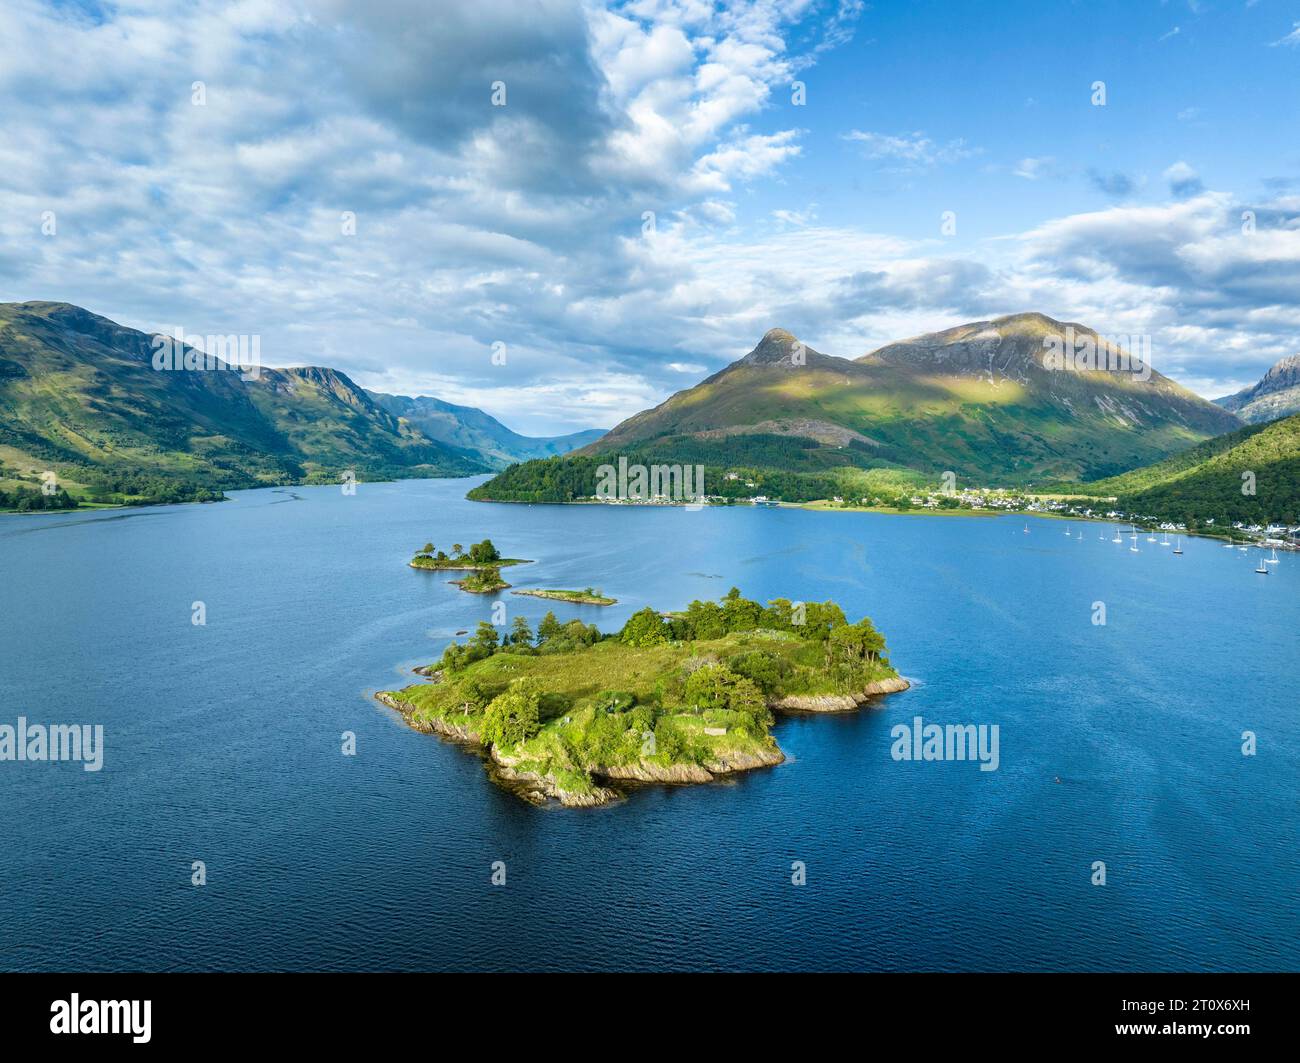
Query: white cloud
x=1031 y=169
x=476 y=223
x=795 y=219
x=743 y=159
x=1291 y=40
x=1183 y=180
x=523 y=224
x=1222 y=301
x=910 y=149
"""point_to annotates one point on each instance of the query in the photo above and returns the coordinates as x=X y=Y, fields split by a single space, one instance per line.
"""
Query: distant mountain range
x=1276 y=395
x=79 y=396
x=994 y=402
x=472 y=429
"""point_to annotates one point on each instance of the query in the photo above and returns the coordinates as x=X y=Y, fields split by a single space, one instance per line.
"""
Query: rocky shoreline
x=436 y=726
x=840 y=702
x=541 y=789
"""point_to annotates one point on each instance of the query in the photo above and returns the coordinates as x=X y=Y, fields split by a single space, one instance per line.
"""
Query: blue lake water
x=222 y=744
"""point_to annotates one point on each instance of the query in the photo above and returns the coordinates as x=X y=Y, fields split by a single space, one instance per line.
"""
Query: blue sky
x=219 y=210
x=1011 y=82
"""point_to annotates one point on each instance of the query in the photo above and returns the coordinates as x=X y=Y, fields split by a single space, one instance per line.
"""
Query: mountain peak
x=65 y=316
x=1018 y=346
x=777 y=347
x=1032 y=321
x=1276 y=394
x=976 y=398
x=1288 y=370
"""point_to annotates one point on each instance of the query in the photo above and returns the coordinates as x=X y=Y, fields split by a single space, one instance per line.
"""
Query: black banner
x=775 y=1012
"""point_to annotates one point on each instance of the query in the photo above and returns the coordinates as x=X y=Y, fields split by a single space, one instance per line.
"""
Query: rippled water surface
x=223 y=745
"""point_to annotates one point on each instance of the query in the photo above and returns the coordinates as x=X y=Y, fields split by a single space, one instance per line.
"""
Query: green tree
x=764 y=669
x=715 y=686
x=708 y=687
x=854 y=643
x=513 y=716
x=485 y=638
x=645 y=627
x=482 y=553
x=779 y=614
x=740 y=614
x=744 y=697
x=705 y=620
x=549 y=628
x=670 y=743
x=522 y=634
x=486 y=578
x=819 y=618
x=453 y=658
x=474 y=694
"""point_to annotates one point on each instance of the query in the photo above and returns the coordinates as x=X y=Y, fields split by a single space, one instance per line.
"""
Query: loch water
x=1119 y=743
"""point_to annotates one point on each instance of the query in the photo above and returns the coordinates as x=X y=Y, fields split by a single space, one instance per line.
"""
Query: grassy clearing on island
x=583 y=597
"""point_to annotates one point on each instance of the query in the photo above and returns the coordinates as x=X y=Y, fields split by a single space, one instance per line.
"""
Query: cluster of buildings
x=1279 y=535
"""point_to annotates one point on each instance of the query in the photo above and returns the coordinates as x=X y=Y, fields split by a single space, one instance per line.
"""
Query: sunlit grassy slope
x=977 y=400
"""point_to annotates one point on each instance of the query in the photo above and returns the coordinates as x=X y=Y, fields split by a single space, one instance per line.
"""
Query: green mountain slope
x=1277 y=394
x=471 y=429
x=975 y=399
x=79 y=396
x=1207 y=482
x=982 y=400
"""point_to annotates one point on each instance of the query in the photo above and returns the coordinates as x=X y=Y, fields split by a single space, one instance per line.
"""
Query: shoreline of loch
x=825 y=506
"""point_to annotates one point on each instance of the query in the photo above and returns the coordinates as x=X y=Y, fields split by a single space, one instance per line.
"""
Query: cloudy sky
x=651 y=185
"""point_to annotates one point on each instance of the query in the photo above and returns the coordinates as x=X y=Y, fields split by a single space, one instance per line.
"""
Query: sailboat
x=1165 y=540
x=1134 y=547
x=1026 y=529
x=1117 y=539
x=1067 y=531
x=1080 y=538
x=1152 y=537
x=1263 y=568
x=1178 y=547
x=1273 y=560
